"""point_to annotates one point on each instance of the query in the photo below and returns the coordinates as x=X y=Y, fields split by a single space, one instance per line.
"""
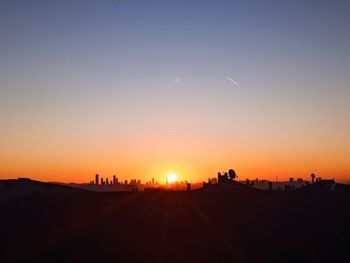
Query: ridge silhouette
x=228 y=221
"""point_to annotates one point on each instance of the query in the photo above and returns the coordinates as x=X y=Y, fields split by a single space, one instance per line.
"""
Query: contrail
x=234 y=82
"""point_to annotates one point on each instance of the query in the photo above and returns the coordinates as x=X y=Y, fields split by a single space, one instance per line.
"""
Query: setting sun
x=171 y=178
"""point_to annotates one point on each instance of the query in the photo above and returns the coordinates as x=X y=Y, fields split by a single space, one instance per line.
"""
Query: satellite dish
x=232 y=174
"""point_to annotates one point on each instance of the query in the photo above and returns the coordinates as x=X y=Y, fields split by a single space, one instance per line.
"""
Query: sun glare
x=171 y=178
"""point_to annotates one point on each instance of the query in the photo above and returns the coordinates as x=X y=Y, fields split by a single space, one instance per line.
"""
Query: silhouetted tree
x=313 y=177
x=232 y=174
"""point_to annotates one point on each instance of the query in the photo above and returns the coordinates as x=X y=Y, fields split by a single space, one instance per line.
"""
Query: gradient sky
x=89 y=87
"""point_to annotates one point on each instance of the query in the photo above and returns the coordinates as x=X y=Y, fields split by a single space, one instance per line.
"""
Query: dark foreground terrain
x=227 y=222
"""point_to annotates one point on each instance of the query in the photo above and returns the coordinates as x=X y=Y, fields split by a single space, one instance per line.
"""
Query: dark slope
x=222 y=223
x=15 y=188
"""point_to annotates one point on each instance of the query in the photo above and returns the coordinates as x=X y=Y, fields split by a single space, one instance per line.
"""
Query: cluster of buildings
x=115 y=181
x=114 y=184
x=263 y=184
x=106 y=184
x=281 y=185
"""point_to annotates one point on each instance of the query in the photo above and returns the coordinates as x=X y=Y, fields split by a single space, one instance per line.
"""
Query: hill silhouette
x=14 y=188
x=226 y=222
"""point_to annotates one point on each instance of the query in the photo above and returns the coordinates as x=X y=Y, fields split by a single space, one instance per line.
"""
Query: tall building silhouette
x=96 y=179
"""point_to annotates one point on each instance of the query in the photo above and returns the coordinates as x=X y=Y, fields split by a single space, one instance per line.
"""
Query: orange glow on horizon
x=195 y=155
x=191 y=169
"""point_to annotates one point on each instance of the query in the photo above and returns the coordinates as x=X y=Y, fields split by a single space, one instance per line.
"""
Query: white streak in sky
x=234 y=82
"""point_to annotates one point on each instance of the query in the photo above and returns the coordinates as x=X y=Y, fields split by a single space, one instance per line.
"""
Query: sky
x=142 y=88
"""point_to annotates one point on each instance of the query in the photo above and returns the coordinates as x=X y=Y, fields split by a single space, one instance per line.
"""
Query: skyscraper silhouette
x=96 y=179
